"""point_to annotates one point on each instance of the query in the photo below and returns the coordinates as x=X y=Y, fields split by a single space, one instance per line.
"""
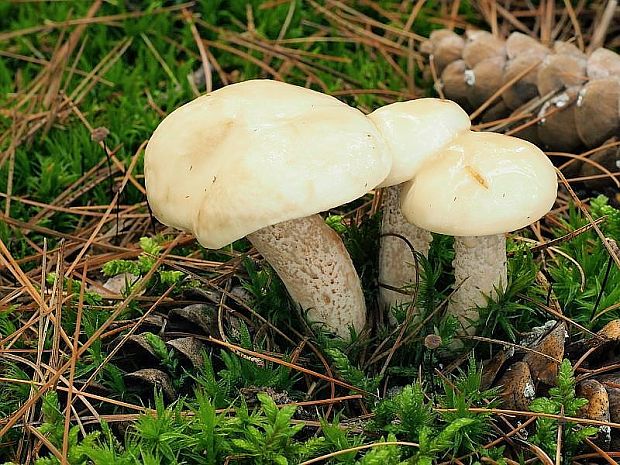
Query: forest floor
x=202 y=357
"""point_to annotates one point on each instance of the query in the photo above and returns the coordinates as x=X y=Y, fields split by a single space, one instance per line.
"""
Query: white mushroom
x=261 y=159
x=479 y=187
x=414 y=131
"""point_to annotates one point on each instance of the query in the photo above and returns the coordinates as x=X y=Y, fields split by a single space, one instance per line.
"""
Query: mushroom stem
x=397 y=265
x=316 y=269
x=479 y=269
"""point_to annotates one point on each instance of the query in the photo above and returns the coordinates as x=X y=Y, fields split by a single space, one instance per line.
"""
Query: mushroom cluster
x=260 y=159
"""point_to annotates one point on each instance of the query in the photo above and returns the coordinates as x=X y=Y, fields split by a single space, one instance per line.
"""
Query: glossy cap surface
x=415 y=130
x=257 y=153
x=481 y=184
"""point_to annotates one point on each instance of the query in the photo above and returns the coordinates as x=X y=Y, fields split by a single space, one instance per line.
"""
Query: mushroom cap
x=415 y=130
x=481 y=184
x=257 y=153
x=525 y=88
x=447 y=51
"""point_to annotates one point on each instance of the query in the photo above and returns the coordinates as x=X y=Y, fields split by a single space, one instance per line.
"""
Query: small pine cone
x=582 y=93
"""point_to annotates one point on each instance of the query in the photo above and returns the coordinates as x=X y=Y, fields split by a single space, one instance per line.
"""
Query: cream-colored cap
x=481 y=184
x=415 y=130
x=257 y=153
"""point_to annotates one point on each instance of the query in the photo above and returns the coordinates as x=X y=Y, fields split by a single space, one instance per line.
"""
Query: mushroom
x=146 y=380
x=479 y=187
x=485 y=57
x=557 y=128
x=414 y=131
x=261 y=159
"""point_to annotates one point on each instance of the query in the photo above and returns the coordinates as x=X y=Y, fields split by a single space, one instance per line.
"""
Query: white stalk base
x=317 y=271
x=479 y=268
x=397 y=266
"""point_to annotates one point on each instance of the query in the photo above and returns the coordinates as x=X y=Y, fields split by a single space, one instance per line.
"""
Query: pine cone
x=579 y=95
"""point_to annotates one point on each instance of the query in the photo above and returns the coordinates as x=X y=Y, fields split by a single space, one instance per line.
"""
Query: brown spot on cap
x=477 y=176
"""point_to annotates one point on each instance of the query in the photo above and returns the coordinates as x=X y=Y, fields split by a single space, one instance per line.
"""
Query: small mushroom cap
x=436 y=37
x=492 y=367
x=597 y=407
x=415 y=130
x=481 y=184
x=566 y=48
x=525 y=88
x=258 y=153
x=528 y=133
x=548 y=340
x=497 y=111
x=524 y=52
